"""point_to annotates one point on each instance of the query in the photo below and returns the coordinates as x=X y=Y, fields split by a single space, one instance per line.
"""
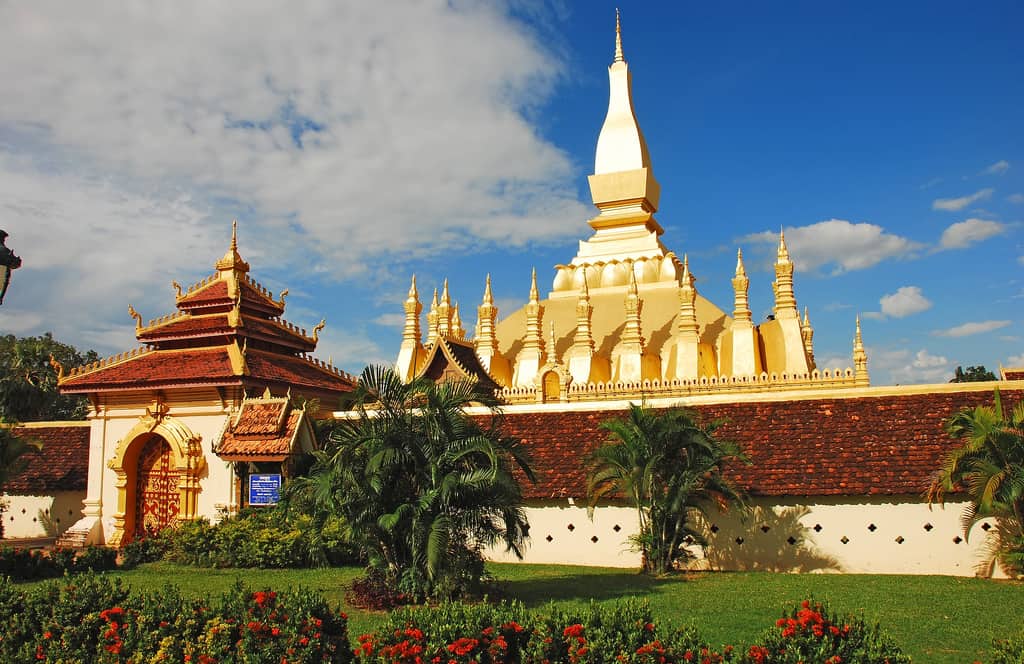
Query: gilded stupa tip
x=807 y=319
x=413 y=293
x=445 y=298
x=740 y=270
x=783 y=250
x=434 y=302
x=632 y=282
x=534 y=293
x=618 y=38
x=488 y=296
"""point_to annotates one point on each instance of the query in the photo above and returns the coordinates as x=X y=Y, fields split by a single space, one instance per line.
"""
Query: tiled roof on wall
x=61 y=465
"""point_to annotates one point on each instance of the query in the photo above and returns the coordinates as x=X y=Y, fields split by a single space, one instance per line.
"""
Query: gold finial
x=232 y=260
x=316 y=329
x=445 y=298
x=632 y=280
x=234 y=235
x=488 y=296
x=618 y=38
x=584 y=287
x=783 y=250
x=413 y=293
x=177 y=289
x=458 y=331
x=807 y=320
x=434 y=302
x=740 y=270
x=534 y=293
x=136 y=315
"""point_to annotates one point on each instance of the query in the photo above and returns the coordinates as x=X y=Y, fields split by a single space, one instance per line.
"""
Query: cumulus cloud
x=841 y=244
x=348 y=137
x=1015 y=361
x=955 y=204
x=965 y=233
x=1015 y=198
x=997 y=168
x=922 y=368
x=967 y=329
x=906 y=301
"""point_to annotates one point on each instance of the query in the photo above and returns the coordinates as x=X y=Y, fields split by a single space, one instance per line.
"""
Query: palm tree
x=669 y=467
x=989 y=469
x=423 y=486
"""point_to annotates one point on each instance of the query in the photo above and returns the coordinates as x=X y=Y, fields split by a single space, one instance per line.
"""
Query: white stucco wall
x=907 y=537
x=41 y=516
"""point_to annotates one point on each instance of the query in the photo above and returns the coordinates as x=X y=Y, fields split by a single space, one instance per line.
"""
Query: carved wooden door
x=156 y=488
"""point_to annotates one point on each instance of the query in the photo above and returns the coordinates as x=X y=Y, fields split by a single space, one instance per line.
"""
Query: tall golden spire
x=531 y=356
x=432 y=320
x=444 y=313
x=860 y=359
x=740 y=285
x=632 y=333
x=688 y=326
x=785 y=300
x=457 y=330
x=486 y=314
x=584 y=338
x=413 y=308
x=807 y=333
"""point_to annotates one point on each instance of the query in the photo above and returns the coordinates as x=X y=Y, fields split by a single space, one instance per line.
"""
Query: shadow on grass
x=539 y=590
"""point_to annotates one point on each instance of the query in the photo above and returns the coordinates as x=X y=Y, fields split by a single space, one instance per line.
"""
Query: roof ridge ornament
x=232 y=261
x=618 y=38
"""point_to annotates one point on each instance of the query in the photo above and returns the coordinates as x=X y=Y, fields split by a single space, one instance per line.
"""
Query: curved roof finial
x=618 y=38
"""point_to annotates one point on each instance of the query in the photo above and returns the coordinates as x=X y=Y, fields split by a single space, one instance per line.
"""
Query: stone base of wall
x=882 y=535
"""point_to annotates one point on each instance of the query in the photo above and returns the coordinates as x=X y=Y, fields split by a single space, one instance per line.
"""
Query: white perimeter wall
x=41 y=516
x=906 y=538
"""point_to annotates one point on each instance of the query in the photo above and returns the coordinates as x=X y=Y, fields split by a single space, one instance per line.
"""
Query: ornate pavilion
x=178 y=424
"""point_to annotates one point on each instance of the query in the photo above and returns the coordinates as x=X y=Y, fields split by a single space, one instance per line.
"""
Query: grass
x=933 y=618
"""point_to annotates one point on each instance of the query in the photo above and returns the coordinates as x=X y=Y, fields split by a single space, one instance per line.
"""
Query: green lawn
x=934 y=618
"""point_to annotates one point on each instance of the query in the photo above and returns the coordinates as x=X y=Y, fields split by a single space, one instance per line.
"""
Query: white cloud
x=968 y=329
x=395 y=320
x=906 y=301
x=997 y=168
x=923 y=368
x=847 y=246
x=348 y=137
x=1015 y=361
x=965 y=233
x=955 y=204
x=1015 y=198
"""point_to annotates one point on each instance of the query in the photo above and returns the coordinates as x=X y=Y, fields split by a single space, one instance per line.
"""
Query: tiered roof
x=228 y=330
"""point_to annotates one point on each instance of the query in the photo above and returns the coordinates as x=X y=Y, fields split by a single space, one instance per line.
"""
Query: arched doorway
x=157 y=496
x=552 y=386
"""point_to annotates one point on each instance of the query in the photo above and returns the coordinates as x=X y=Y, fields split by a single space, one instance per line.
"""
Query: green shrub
x=26 y=564
x=96 y=559
x=1009 y=651
x=812 y=633
x=145 y=550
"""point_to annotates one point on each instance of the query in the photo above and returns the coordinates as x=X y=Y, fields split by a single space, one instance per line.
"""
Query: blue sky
x=358 y=143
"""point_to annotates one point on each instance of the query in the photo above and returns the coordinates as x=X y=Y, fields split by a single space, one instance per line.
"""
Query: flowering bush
x=812 y=634
x=24 y=564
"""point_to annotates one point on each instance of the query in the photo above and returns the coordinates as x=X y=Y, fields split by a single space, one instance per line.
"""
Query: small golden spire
x=860 y=359
x=783 y=250
x=458 y=331
x=432 y=320
x=534 y=293
x=234 y=235
x=488 y=297
x=807 y=319
x=444 y=312
x=618 y=38
x=740 y=285
x=413 y=293
x=740 y=270
x=551 y=354
x=232 y=261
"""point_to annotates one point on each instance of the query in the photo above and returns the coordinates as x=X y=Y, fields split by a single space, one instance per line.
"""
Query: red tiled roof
x=277 y=332
x=203 y=325
x=215 y=292
x=886 y=445
x=294 y=370
x=163 y=367
x=61 y=465
x=257 y=436
x=187 y=327
x=1013 y=374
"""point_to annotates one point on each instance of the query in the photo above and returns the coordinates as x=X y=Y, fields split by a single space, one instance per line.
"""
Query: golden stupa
x=624 y=318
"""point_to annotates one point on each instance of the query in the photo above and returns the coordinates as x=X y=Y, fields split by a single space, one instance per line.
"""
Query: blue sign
x=264 y=488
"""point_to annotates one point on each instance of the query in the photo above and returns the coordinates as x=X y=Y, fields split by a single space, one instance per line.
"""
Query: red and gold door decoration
x=157 y=497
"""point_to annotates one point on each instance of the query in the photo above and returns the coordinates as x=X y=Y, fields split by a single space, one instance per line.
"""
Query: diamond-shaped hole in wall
x=616 y=527
x=549 y=538
x=844 y=539
x=928 y=527
x=739 y=540
x=765 y=528
x=957 y=539
x=872 y=527
x=791 y=540
x=714 y=528
x=571 y=527
x=900 y=540
x=817 y=528
x=985 y=526
x=594 y=539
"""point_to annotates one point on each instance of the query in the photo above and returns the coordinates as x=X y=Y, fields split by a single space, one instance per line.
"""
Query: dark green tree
x=422 y=486
x=976 y=374
x=669 y=467
x=28 y=381
x=989 y=469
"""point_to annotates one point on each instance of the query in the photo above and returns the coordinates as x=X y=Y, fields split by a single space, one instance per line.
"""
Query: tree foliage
x=989 y=469
x=422 y=486
x=669 y=467
x=972 y=374
x=28 y=382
